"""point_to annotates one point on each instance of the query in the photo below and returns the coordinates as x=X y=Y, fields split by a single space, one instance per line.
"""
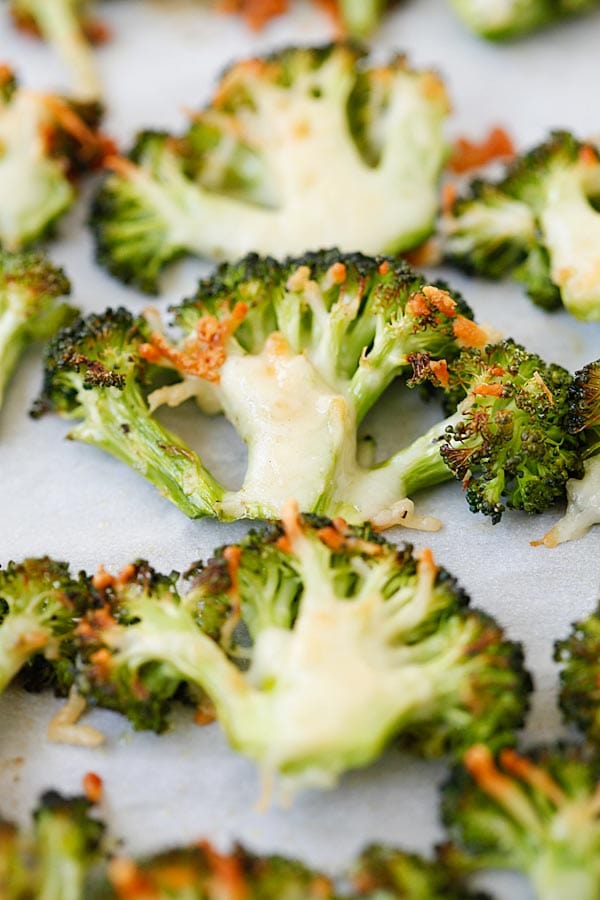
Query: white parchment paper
x=73 y=502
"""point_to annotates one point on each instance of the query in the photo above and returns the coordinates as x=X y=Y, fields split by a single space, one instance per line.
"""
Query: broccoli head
x=354 y=642
x=579 y=655
x=14 y=873
x=123 y=664
x=539 y=223
x=290 y=153
x=583 y=493
x=509 y=443
x=66 y=25
x=30 y=308
x=45 y=140
x=295 y=354
x=68 y=841
x=94 y=372
x=39 y=605
x=385 y=873
x=500 y=20
x=537 y=813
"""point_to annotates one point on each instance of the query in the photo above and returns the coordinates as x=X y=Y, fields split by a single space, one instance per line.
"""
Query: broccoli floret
x=383 y=873
x=15 y=881
x=94 y=372
x=509 y=441
x=45 y=140
x=361 y=17
x=202 y=872
x=393 y=648
x=539 y=223
x=537 y=813
x=39 y=605
x=295 y=354
x=30 y=291
x=66 y=25
x=290 y=153
x=67 y=844
x=580 y=676
x=583 y=491
x=499 y=20
x=131 y=613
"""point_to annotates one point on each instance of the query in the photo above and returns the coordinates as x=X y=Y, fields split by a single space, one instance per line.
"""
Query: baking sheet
x=74 y=502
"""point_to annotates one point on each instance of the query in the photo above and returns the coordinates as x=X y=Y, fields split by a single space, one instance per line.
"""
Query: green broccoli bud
x=65 y=25
x=539 y=223
x=95 y=372
x=67 y=844
x=39 y=605
x=393 y=650
x=383 y=873
x=30 y=290
x=45 y=141
x=583 y=491
x=510 y=438
x=537 y=813
x=277 y=163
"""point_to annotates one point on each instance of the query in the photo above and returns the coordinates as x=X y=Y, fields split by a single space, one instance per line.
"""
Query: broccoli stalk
x=361 y=17
x=353 y=642
x=30 y=288
x=499 y=20
x=39 y=603
x=539 y=224
x=538 y=813
x=67 y=844
x=45 y=140
x=291 y=152
x=63 y=24
x=94 y=372
x=583 y=493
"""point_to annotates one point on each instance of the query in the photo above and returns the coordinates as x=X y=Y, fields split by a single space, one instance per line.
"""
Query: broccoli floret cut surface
x=306 y=148
x=583 y=491
x=537 y=813
x=353 y=643
x=500 y=20
x=39 y=606
x=67 y=26
x=32 y=307
x=540 y=224
x=46 y=141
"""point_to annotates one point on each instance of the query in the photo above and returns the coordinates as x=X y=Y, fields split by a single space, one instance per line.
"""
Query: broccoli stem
x=118 y=421
x=555 y=877
x=60 y=23
x=20 y=636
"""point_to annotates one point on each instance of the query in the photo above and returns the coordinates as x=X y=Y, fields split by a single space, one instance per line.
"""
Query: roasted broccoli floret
x=385 y=873
x=14 y=874
x=94 y=372
x=579 y=655
x=583 y=494
x=67 y=842
x=30 y=308
x=67 y=26
x=539 y=223
x=354 y=642
x=39 y=604
x=292 y=151
x=130 y=613
x=509 y=443
x=500 y=20
x=538 y=813
x=46 y=140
